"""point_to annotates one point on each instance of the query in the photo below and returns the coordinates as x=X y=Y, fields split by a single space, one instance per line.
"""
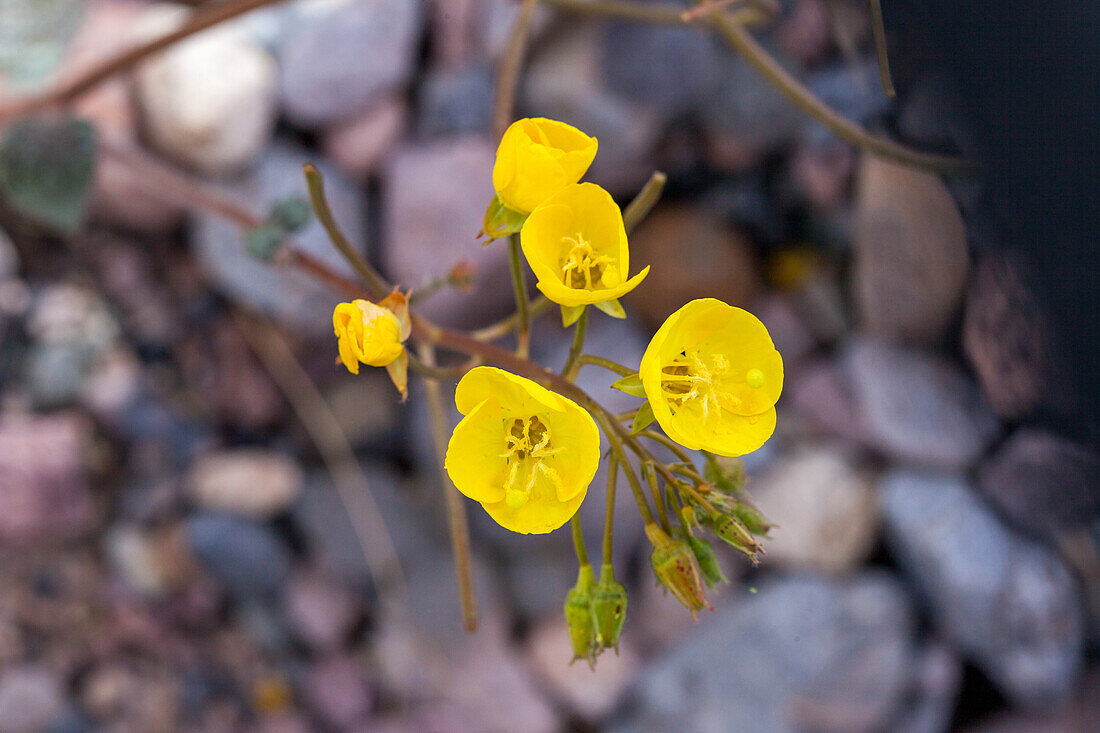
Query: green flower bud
x=708 y=563
x=500 y=221
x=578 y=615
x=608 y=609
x=736 y=535
x=676 y=567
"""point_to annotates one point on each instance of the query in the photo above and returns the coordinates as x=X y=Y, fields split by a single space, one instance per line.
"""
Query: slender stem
x=878 y=31
x=644 y=202
x=609 y=516
x=578 y=540
x=510 y=65
x=649 y=13
x=572 y=363
x=519 y=286
x=651 y=478
x=624 y=416
x=611 y=366
x=316 y=184
x=632 y=479
x=741 y=41
x=669 y=443
x=456 y=513
x=442 y=374
x=687 y=472
x=535 y=308
x=95 y=76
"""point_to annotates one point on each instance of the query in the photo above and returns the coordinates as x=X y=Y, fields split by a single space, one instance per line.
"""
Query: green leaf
x=632 y=385
x=500 y=221
x=263 y=241
x=612 y=308
x=46 y=170
x=570 y=314
x=643 y=418
x=291 y=215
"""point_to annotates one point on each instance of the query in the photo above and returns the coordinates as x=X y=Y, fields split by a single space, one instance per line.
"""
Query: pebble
x=803 y=653
x=911 y=258
x=31 y=699
x=338 y=691
x=9 y=257
x=320 y=612
x=824 y=507
x=138 y=560
x=210 y=100
x=937 y=677
x=359 y=146
x=253 y=483
x=1005 y=602
x=334 y=65
x=248 y=558
x=455 y=100
x=285 y=293
x=917 y=407
x=790 y=333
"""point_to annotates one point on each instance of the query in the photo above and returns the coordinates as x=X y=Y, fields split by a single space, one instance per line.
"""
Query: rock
x=247 y=482
x=716 y=262
x=320 y=612
x=435 y=198
x=138 y=560
x=937 y=676
x=792 y=337
x=285 y=293
x=56 y=373
x=208 y=101
x=335 y=64
x=248 y=558
x=1042 y=483
x=911 y=257
x=590 y=695
x=824 y=509
x=930 y=116
x=337 y=690
x=917 y=407
x=1007 y=603
x=360 y=145
x=801 y=654
x=72 y=314
x=367 y=408
x=31 y=699
x=33 y=41
x=455 y=100
x=9 y=257
x=822 y=173
x=804 y=32
x=1006 y=339
x=44 y=492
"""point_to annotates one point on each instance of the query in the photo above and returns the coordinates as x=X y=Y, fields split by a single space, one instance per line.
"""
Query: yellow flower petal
x=366 y=333
x=538 y=157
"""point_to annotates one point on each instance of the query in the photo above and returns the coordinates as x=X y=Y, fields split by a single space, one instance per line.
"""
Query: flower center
x=584 y=268
x=527 y=443
x=697 y=381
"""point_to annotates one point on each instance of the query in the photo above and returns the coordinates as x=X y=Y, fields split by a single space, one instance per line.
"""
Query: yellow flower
x=712 y=377
x=373 y=334
x=576 y=244
x=526 y=453
x=536 y=159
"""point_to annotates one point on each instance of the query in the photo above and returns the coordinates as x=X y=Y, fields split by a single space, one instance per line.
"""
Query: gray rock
x=1005 y=602
x=917 y=407
x=30 y=699
x=248 y=482
x=56 y=373
x=455 y=101
x=285 y=293
x=937 y=676
x=248 y=558
x=320 y=612
x=802 y=653
x=335 y=64
x=9 y=257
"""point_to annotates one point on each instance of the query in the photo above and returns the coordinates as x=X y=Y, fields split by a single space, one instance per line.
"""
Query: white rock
x=246 y=482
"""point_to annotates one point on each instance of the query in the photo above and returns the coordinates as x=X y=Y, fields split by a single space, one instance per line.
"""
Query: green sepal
x=708 y=563
x=608 y=603
x=632 y=385
x=643 y=418
x=570 y=314
x=578 y=617
x=612 y=308
x=500 y=221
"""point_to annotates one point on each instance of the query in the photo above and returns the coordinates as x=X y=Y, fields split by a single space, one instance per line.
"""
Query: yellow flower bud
x=367 y=333
x=536 y=159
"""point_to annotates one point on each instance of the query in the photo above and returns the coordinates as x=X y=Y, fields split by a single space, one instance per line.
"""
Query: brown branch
x=504 y=97
x=878 y=31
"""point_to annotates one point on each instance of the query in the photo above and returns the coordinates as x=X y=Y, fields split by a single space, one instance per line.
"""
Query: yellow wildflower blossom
x=576 y=245
x=372 y=333
x=712 y=377
x=537 y=158
x=526 y=453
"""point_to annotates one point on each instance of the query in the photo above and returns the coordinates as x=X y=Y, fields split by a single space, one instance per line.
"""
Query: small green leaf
x=612 y=308
x=291 y=215
x=570 y=314
x=46 y=170
x=643 y=418
x=500 y=221
x=263 y=241
x=632 y=385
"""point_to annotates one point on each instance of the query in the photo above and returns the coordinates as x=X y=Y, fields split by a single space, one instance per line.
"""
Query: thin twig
x=456 y=512
x=631 y=477
x=611 y=366
x=519 y=286
x=572 y=362
x=535 y=308
x=66 y=92
x=651 y=478
x=578 y=539
x=644 y=202
x=609 y=516
x=878 y=31
x=649 y=13
x=668 y=443
x=504 y=97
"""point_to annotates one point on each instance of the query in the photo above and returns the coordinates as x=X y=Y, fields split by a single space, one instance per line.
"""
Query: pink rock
x=359 y=145
x=338 y=691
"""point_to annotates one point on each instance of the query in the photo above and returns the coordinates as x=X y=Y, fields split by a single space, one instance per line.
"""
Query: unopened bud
x=726 y=474
x=736 y=535
x=608 y=609
x=677 y=569
x=708 y=563
x=578 y=615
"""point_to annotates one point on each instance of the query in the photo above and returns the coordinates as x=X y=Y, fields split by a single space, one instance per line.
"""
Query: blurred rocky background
x=176 y=556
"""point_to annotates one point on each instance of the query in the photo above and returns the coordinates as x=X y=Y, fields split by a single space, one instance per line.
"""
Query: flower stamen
x=527 y=439
x=583 y=268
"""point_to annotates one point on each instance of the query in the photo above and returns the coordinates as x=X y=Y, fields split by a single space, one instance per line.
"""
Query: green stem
x=611 y=366
x=668 y=443
x=535 y=308
x=609 y=517
x=651 y=478
x=572 y=362
x=578 y=539
x=519 y=286
x=632 y=479
x=650 y=13
x=644 y=202
x=443 y=374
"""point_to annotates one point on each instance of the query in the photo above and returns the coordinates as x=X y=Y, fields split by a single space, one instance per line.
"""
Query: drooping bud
x=708 y=563
x=608 y=609
x=736 y=535
x=676 y=567
x=578 y=616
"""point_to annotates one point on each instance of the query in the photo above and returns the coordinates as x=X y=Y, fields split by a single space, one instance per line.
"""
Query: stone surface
x=1043 y=483
x=717 y=262
x=793 y=339
x=31 y=699
x=320 y=612
x=455 y=100
x=208 y=101
x=248 y=558
x=917 y=407
x=435 y=198
x=335 y=64
x=285 y=293
x=248 y=482
x=360 y=145
x=1005 y=602
x=337 y=690
x=911 y=257
x=801 y=654
x=824 y=508
x=937 y=677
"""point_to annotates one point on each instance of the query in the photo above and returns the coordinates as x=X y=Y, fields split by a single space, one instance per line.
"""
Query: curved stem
x=632 y=479
x=510 y=65
x=609 y=516
x=878 y=31
x=611 y=366
x=519 y=286
x=644 y=202
x=651 y=478
x=578 y=539
x=572 y=362
x=668 y=443
x=442 y=374
x=535 y=308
